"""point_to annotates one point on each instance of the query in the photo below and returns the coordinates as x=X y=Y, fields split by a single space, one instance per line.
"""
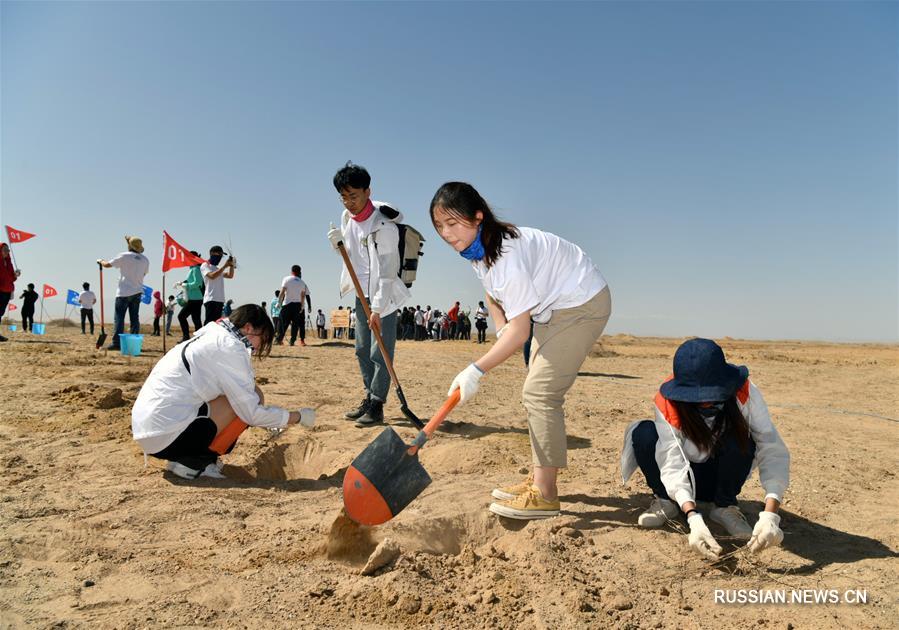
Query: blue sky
x=730 y=167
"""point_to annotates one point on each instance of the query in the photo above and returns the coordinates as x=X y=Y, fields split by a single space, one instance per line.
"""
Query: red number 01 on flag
x=175 y=255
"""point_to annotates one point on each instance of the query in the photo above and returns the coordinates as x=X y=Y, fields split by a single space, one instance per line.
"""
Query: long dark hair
x=462 y=201
x=255 y=316
x=729 y=422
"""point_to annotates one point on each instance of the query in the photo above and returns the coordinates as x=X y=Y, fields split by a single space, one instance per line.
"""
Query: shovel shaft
x=367 y=310
x=432 y=425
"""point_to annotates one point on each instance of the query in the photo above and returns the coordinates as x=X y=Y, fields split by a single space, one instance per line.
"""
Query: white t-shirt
x=215 y=287
x=132 y=267
x=170 y=397
x=87 y=299
x=356 y=237
x=293 y=289
x=540 y=273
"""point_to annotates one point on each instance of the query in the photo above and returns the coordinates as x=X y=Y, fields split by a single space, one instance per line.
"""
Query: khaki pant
x=557 y=353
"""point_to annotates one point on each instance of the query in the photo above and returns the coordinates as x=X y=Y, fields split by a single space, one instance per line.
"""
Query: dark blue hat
x=702 y=375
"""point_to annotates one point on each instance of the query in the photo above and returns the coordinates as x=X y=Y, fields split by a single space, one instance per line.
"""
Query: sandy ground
x=89 y=537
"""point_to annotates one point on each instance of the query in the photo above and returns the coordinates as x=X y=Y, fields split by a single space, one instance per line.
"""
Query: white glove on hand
x=466 y=382
x=701 y=539
x=501 y=331
x=307 y=417
x=335 y=236
x=766 y=533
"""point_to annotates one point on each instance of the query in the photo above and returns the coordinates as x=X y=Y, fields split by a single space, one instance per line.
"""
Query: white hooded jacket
x=170 y=397
x=386 y=292
x=771 y=455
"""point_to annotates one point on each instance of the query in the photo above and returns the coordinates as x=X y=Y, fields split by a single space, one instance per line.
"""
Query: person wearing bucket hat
x=529 y=276
x=132 y=266
x=711 y=429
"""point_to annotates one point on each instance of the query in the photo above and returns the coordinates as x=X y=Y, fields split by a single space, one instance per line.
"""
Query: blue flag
x=147 y=296
x=72 y=298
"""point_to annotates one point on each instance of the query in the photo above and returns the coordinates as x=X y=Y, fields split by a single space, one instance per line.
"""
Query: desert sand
x=90 y=537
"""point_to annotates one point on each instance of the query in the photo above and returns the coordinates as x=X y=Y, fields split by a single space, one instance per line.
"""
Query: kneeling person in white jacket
x=711 y=429
x=202 y=394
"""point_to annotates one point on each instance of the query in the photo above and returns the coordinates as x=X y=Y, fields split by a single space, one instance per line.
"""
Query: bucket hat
x=135 y=244
x=702 y=375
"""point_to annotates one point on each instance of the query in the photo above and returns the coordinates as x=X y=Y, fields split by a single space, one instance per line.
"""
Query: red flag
x=17 y=236
x=175 y=255
x=12 y=306
x=49 y=291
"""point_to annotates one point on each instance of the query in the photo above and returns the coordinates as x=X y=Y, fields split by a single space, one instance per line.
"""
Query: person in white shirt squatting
x=203 y=393
x=711 y=429
x=529 y=275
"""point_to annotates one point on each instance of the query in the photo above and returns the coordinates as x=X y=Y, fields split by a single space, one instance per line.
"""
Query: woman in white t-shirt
x=202 y=394
x=529 y=275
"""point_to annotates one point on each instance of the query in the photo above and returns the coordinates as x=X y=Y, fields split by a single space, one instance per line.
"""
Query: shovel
x=387 y=476
x=101 y=339
x=404 y=406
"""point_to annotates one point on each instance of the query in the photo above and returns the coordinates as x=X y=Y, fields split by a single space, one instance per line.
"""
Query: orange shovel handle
x=436 y=420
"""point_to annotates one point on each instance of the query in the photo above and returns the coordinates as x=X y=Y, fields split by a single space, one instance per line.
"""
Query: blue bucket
x=37 y=329
x=130 y=345
x=12 y=327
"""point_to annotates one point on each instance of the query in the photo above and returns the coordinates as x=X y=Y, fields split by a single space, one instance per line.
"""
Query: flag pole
x=165 y=315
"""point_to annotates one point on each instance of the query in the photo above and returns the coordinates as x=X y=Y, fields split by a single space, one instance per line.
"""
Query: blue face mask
x=475 y=251
x=215 y=259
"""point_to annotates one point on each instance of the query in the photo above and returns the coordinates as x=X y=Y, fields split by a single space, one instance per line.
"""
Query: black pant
x=720 y=478
x=481 y=325
x=192 y=310
x=87 y=315
x=191 y=448
x=213 y=311
x=27 y=318
x=321 y=332
x=4 y=300
x=156 y=325
x=295 y=317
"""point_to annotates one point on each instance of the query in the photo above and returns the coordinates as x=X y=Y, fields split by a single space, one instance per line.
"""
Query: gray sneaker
x=732 y=519
x=660 y=512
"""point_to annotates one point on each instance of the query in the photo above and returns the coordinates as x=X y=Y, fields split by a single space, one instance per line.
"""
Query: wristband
x=691 y=511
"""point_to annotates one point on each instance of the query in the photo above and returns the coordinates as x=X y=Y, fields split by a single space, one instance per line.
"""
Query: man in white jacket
x=204 y=390
x=369 y=233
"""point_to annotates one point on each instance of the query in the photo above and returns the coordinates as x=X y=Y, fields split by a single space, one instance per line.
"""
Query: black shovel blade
x=101 y=339
x=382 y=480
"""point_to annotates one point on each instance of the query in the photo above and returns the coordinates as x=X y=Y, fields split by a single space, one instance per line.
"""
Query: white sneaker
x=732 y=519
x=213 y=471
x=660 y=512
x=182 y=471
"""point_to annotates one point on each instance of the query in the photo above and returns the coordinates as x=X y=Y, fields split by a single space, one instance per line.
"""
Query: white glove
x=701 y=539
x=501 y=331
x=307 y=417
x=466 y=382
x=766 y=533
x=335 y=236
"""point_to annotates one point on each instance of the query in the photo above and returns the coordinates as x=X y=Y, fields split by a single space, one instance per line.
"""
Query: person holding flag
x=8 y=276
x=87 y=299
x=132 y=266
